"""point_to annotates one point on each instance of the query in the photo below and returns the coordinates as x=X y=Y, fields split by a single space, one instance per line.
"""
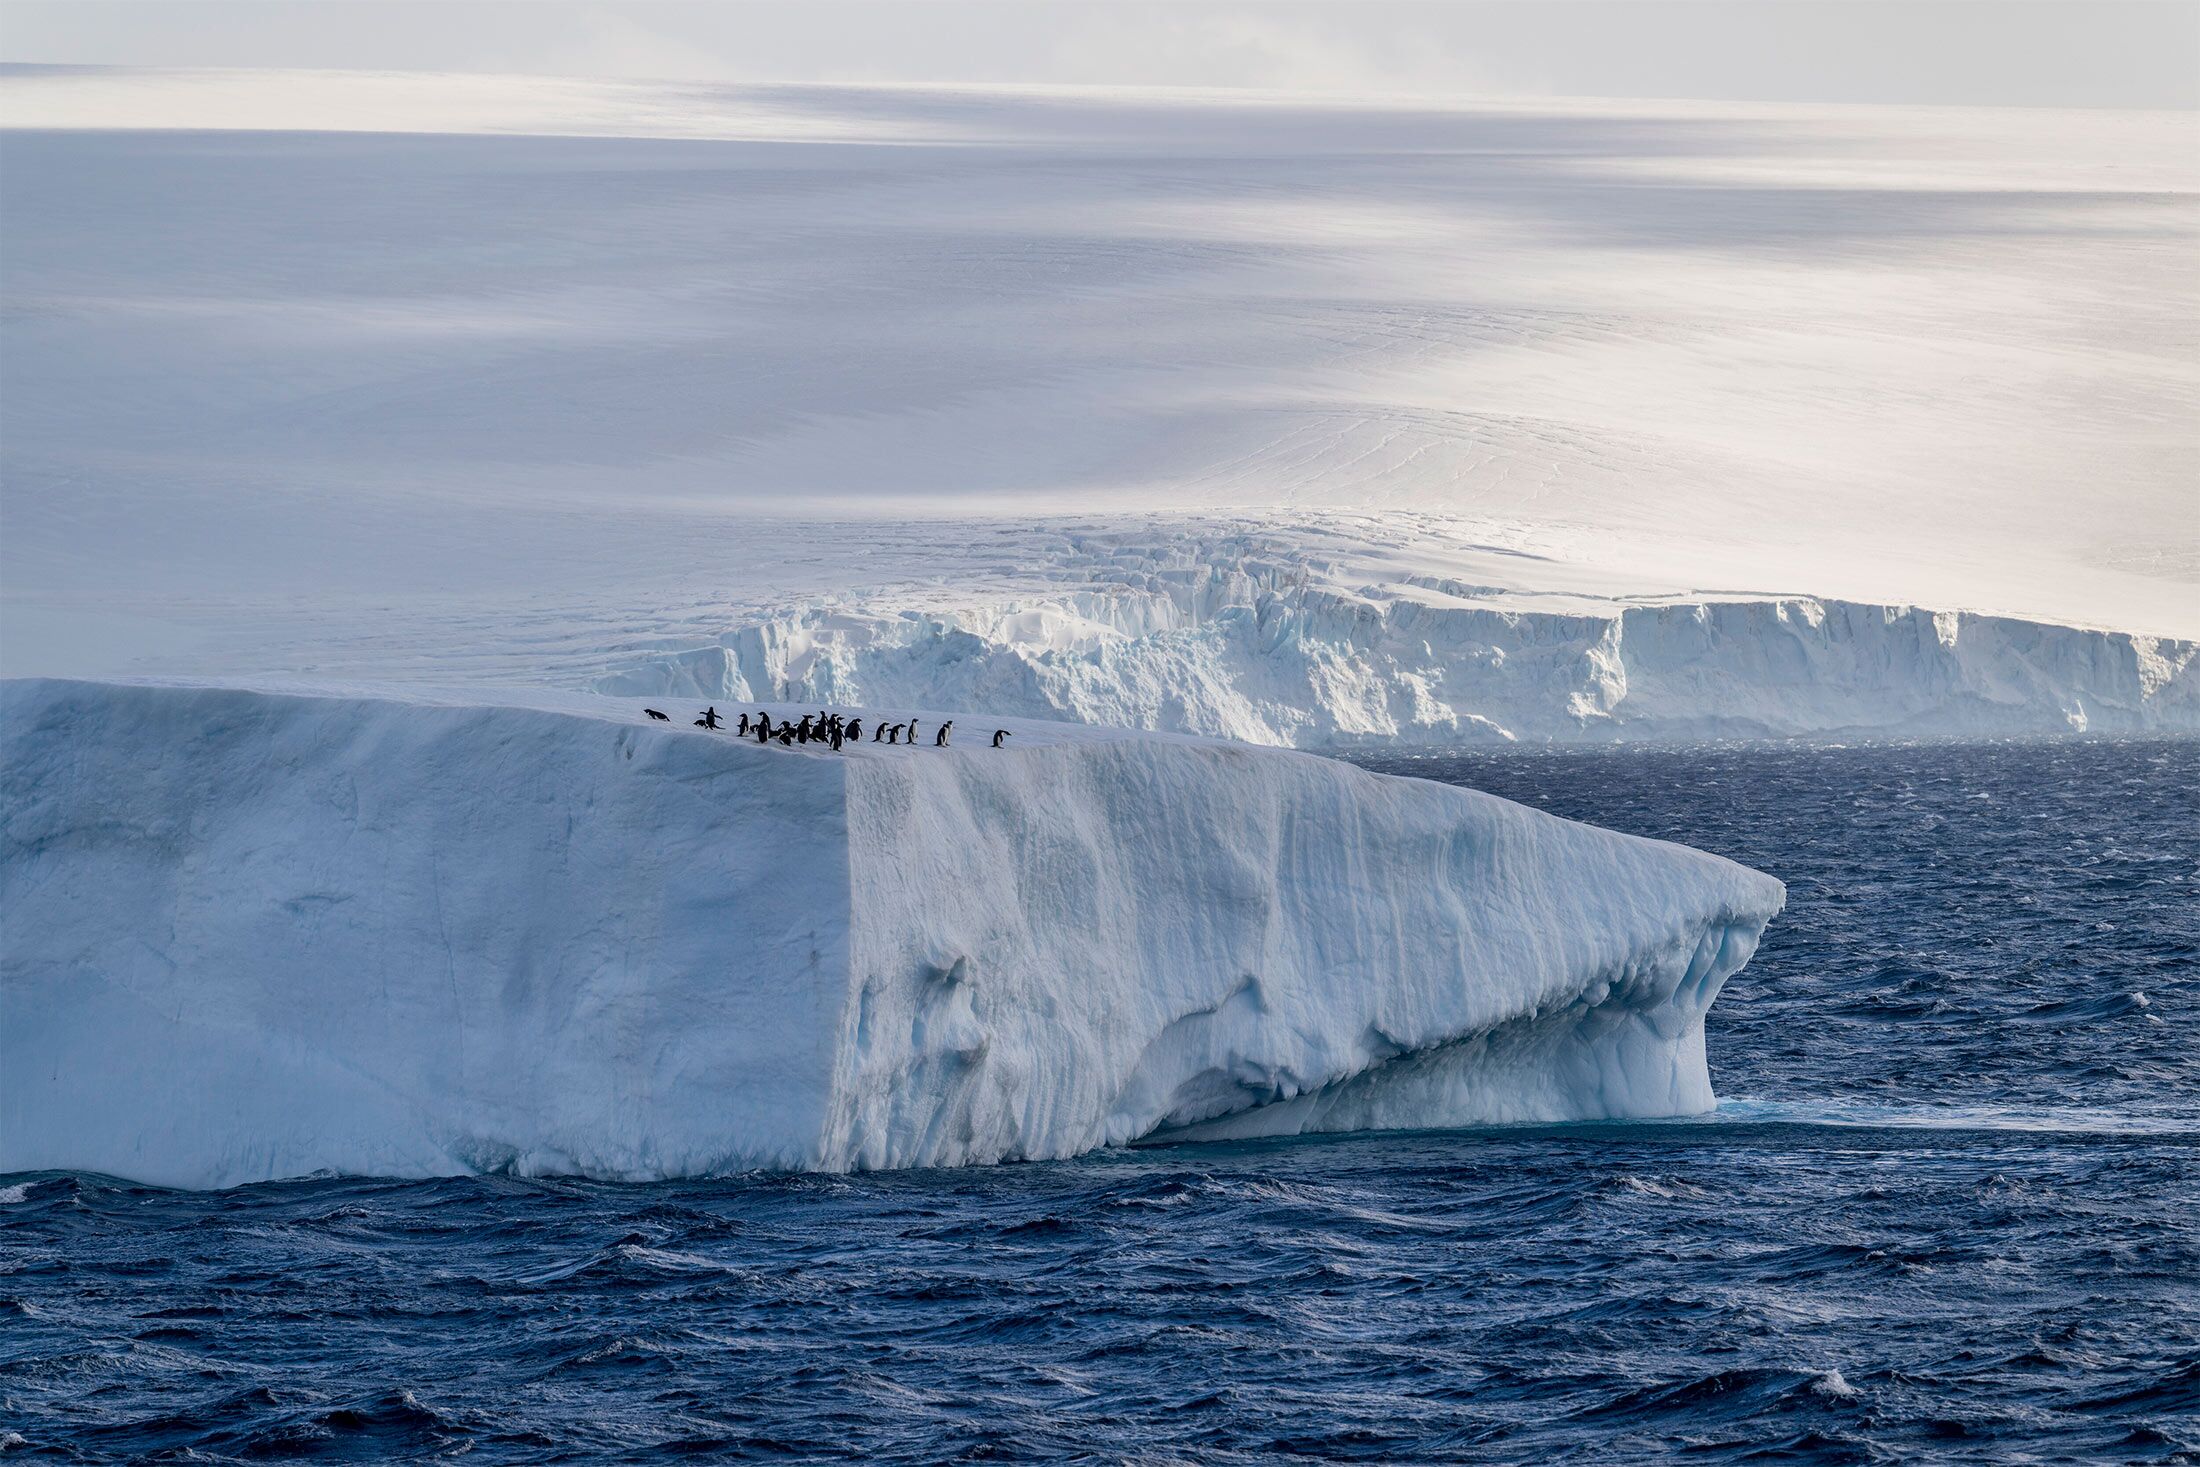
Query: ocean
x=1947 y=1210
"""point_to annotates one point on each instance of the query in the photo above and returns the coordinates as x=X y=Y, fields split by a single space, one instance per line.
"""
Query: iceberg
x=253 y=934
x=1190 y=636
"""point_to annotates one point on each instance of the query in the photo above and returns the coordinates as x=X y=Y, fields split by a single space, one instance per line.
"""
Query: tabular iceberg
x=1220 y=654
x=252 y=935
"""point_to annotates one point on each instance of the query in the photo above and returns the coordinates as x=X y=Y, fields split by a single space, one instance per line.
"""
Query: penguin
x=786 y=735
x=998 y=735
x=878 y=733
x=855 y=730
x=763 y=728
x=910 y=733
x=709 y=718
x=836 y=733
x=940 y=741
x=802 y=729
x=653 y=713
x=743 y=730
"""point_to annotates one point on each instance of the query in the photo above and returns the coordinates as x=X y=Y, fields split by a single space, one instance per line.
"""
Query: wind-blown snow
x=251 y=935
x=472 y=379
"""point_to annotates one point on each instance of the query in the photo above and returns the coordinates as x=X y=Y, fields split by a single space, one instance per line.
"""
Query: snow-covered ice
x=255 y=934
x=498 y=379
x=1251 y=637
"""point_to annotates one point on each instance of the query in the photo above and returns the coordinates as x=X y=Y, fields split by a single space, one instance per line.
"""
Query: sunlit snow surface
x=1297 y=422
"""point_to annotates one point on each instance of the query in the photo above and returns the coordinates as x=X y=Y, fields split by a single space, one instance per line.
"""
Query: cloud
x=2048 y=53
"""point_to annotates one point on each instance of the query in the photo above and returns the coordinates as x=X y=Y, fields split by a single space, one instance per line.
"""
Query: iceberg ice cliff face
x=1244 y=640
x=252 y=935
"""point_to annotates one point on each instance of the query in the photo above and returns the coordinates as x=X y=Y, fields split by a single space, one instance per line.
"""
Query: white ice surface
x=1252 y=637
x=465 y=379
x=255 y=934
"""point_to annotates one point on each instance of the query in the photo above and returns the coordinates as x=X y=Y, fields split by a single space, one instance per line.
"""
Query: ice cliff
x=251 y=935
x=1245 y=639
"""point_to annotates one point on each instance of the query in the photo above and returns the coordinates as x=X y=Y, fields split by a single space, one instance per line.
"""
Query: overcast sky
x=2134 y=53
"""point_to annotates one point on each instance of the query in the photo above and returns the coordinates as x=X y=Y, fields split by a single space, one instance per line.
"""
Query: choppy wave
x=1949 y=1219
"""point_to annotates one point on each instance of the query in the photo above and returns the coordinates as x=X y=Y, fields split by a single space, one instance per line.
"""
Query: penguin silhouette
x=940 y=741
x=998 y=735
x=709 y=718
x=653 y=713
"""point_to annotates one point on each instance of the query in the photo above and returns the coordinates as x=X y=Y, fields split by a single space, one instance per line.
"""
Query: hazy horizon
x=2120 y=53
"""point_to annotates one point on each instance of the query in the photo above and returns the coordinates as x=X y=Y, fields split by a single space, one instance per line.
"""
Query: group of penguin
x=829 y=728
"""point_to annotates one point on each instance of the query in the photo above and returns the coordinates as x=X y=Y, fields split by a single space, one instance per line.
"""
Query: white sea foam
x=2070 y=1120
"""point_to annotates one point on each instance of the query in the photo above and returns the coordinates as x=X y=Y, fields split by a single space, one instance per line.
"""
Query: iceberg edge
x=255 y=935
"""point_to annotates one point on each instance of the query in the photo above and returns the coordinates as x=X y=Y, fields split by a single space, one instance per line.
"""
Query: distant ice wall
x=1269 y=655
x=254 y=935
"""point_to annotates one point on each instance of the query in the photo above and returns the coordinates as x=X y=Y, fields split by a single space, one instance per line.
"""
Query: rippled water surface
x=1946 y=1211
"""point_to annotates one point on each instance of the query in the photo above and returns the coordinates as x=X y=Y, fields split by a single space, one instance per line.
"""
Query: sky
x=2094 y=53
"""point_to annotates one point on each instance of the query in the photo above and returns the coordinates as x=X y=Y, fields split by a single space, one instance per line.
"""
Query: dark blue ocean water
x=1947 y=1211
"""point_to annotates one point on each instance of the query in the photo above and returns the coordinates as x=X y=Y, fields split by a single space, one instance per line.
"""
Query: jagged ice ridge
x=1247 y=641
